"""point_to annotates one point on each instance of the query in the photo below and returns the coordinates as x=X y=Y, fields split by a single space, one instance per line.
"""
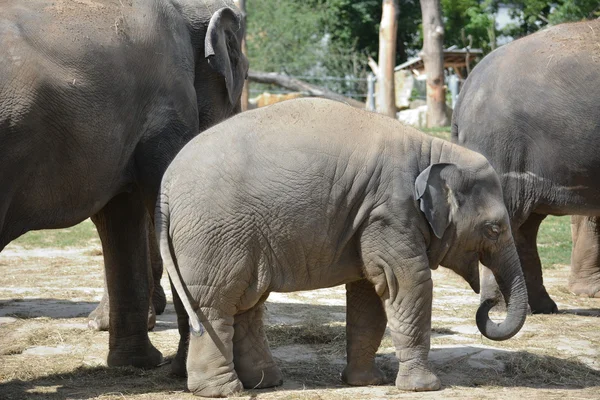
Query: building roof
x=453 y=58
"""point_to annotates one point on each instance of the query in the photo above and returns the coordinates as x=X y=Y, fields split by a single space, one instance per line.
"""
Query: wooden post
x=386 y=99
x=433 y=59
x=241 y=4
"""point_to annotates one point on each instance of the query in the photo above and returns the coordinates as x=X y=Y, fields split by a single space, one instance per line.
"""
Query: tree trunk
x=241 y=4
x=386 y=98
x=300 y=86
x=433 y=59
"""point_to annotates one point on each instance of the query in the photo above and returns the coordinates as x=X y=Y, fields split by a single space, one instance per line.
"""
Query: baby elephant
x=308 y=194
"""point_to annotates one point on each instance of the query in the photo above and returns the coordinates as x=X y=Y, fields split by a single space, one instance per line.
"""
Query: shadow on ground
x=525 y=370
x=51 y=308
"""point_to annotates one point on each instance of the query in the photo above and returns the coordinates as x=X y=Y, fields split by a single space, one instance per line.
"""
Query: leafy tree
x=535 y=14
x=469 y=22
x=324 y=37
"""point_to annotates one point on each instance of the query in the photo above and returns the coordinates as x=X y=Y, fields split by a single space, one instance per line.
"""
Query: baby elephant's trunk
x=506 y=268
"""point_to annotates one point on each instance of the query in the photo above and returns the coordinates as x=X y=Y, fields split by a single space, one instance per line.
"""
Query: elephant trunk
x=506 y=268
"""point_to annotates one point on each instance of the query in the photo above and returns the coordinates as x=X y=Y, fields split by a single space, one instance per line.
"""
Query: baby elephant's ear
x=435 y=195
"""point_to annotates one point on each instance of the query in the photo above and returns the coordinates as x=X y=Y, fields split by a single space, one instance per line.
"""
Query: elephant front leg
x=584 y=279
x=526 y=242
x=409 y=316
x=398 y=268
x=122 y=226
x=99 y=318
x=365 y=326
x=252 y=357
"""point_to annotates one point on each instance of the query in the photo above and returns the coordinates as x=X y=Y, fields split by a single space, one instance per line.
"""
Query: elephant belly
x=315 y=276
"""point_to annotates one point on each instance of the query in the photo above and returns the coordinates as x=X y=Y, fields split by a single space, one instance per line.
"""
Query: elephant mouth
x=472 y=275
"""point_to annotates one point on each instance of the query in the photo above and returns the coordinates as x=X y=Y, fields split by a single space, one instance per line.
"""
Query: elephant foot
x=542 y=304
x=179 y=363
x=98 y=319
x=360 y=376
x=149 y=358
x=159 y=299
x=585 y=288
x=260 y=378
x=223 y=386
x=418 y=380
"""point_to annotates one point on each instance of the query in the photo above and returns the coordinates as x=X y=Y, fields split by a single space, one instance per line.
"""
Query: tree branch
x=374 y=67
x=290 y=83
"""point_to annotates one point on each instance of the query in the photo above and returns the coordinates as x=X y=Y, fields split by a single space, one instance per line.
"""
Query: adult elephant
x=531 y=107
x=96 y=98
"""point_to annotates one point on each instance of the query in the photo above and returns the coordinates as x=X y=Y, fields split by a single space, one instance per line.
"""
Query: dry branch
x=290 y=83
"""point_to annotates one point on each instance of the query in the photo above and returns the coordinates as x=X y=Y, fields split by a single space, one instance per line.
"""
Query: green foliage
x=80 y=235
x=285 y=36
x=469 y=22
x=324 y=37
x=554 y=241
x=535 y=14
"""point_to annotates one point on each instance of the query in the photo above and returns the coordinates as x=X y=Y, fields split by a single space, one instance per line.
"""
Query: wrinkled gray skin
x=311 y=194
x=96 y=98
x=531 y=107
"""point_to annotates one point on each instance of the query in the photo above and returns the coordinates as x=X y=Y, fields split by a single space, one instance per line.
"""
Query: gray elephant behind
x=310 y=194
x=531 y=108
x=96 y=98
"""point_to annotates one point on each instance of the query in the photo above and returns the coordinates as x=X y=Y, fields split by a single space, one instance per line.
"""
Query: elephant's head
x=216 y=31
x=469 y=224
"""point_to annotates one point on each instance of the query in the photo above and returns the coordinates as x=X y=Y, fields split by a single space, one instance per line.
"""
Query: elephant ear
x=435 y=195
x=222 y=49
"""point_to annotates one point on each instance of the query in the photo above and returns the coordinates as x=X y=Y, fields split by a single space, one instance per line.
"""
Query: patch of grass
x=312 y=333
x=441 y=132
x=42 y=336
x=313 y=374
x=548 y=371
x=81 y=235
x=554 y=241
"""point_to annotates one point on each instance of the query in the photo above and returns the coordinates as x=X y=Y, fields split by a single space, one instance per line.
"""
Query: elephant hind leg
x=252 y=357
x=210 y=366
x=159 y=300
x=178 y=364
x=365 y=326
x=584 y=279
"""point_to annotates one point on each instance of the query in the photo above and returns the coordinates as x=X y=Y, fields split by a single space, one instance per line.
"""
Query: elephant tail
x=162 y=217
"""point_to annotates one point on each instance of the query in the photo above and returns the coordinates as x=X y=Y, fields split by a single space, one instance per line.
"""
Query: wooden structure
x=457 y=59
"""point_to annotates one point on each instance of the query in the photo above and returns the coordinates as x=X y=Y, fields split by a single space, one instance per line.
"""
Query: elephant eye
x=491 y=231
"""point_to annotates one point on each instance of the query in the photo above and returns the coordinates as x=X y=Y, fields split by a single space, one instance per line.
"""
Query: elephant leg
x=122 y=227
x=98 y=319
x=365 y=326
x=398 y=268
x=526 y=242
x=178 y=365
x=584 y=279
x=210 y=357
x=159 y=300
x=252 y=357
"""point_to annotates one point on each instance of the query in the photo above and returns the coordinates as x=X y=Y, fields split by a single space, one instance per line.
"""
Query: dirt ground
x=47 y=352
